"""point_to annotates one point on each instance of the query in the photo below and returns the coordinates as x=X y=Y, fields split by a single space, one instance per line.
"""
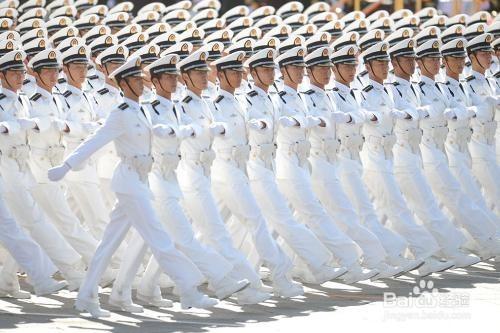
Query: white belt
x=300 y=148
x=410 y=136
x=239 y=154
x=20 y=154
x=142 y=164
x=166 y=163
x=54 y=153
x=352 y=143
x=264 y=152
x=386 y=142
x=485 y=130
x=329 y=148
x=205 y=157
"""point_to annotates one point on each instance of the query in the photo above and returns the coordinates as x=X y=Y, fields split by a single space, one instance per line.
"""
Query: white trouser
x=107 y=193
x=327 y=187
x=487 y=173
x=52 y=200
x=423 y=203
x=388 y=199
x=29 y=215
x=300 y=195
x=212 y=265
x=138 y=212
x=277 y=213
x=202 y=209
x=461 y=168
x=350 y=173
x=450 y=193
x=26 y=253
x=234 y=195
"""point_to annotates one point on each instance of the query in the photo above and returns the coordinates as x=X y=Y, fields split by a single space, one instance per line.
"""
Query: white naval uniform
x=408 y=168
x=482 y=144
x=378 y=173
x=22 y=251
x=325 y=181
x=19 y=182
x=47 y=151
x=496 y=79
x=294 y=180
x=95 y=81
x=272 y=203
x=350 y=169
x=167 y=196
x=456 y=145
x=108 y=98
x=199 y=201
x=443 y=183
x=130 y=130
x=230 y=184
x=84 y=185
x=29 y=85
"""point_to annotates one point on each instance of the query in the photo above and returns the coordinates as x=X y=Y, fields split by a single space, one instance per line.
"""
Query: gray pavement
x=461 y=300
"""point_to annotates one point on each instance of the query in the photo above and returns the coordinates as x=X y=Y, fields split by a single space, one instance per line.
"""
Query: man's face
x=234 y=78
x=169 y=82
x=76 y=72
x=406 y=64
x=484 y=58
x=110 y=67
x=431 y=64
x=296 y=73
x=346 y=72
x=199 y=79
x=265 y=74
x=379 y=68
x=320 y=74
x=455 y=64
x=49 y=76
x=136 y=83
x=14 y=78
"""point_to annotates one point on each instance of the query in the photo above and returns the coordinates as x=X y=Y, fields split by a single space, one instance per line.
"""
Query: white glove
x=312 y=121
x=341 y=117
x=217 y=129
x=491 y=100
x=185 y=132
x=449 y=114
x=255 y=124
x=90 y=127
x=59 y=125
x=287 y=122
x=57 y=173
x=422 y=112
x=26 y=123
x=162 y=131
x=3 y=129
x=398 y=114
x=471 y=111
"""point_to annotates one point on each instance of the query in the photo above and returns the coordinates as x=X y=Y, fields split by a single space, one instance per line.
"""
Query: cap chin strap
x=290 y=77
x=479 y=62
x=69 y=73
x=192 y=83
x=449 y=67
x=131 y=89
x=370 y=65
x=161 y=85
x=227 y=80
x=425 y=67
x=402 y=69
x=338 y=71
x=6 y=80
x=40 y=78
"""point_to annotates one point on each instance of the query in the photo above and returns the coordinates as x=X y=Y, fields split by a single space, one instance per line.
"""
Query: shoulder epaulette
x=395 y=83
x=470 y=78
x=26 y=81
x=335 y=89
x=92 y=77
x=497 y=75
x=309 y=92
x=123 y=106
x=2 y=96
x=368 y=88
x=67 y=93
x=187 y=99
x=35 y=96
x=252 y=93
x=218 y=99
x=363 y=73
x=282 y=93
x=61 y=80
x=103 y=91
x=421 y=83
x=155 y=103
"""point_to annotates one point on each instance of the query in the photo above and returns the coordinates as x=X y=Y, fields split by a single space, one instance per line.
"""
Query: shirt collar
x=226 y=93
x=289 y=90
x=427 y=80
x=9 y=93
x=402 y=81
x=74 y=90
x=260 y=91
x=112 y=89
x=452 y=81
x=164 y=101
x=131 y=103
x=376 y=85
x=478 y=75
x=193 y=95
x=317 y=89
x=43 y=92
x=342 y=87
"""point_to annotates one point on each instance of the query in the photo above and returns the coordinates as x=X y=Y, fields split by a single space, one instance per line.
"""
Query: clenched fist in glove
x=341 y=117
x=185 y=132
x=287 y=122
x=398 y=114
x=256 y=124
x=217 y=129
x=57 y=173
x=163 y=131
x=449 y=114
x=26 y=123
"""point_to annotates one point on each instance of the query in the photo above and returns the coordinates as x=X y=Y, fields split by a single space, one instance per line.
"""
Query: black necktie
x=386 y=91
x=352 y=94
x=461 y=87
x=144 y=113
x=413 y=89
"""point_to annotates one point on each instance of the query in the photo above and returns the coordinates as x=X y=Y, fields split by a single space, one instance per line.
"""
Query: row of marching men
x=305 y=176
